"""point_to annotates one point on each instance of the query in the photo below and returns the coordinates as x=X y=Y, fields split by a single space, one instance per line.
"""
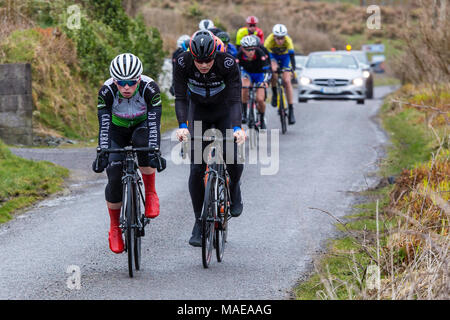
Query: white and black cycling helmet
x=125 y=66
x=249 y=42
x=279 y=30
x=182 y=40
x=258 y=41
x=206 y=24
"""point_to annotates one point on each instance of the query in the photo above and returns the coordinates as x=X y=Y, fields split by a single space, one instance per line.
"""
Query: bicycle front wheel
x=208 y=220
x=253 y=130
x=222 y=230
x=282 y=110
x=129 y=231
x=137 y=233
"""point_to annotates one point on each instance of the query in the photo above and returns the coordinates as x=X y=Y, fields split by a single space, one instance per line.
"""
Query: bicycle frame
x=132 y=221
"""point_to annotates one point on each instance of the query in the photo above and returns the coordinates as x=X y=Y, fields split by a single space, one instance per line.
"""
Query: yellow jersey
x=286 y=48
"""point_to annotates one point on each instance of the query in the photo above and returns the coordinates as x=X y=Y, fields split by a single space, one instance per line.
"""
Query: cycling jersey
x=220 y=45
x=231 y=49
x=242 y=32
x=259 y=63
x=214 y=99
x=114 y=109
x=218 y=89
x=286 y=48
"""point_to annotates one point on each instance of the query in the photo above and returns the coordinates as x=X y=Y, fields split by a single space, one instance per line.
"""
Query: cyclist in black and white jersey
x=129 y=111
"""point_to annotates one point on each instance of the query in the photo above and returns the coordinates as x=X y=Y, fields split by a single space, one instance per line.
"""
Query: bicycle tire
x=221 y=233
x=253 y=130
x=282 y=109
x=208 y=221
x=128 y=226
x=136 y=233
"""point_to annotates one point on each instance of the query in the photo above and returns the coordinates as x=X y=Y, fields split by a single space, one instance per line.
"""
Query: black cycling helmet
x=203 y=45
x=224 y=36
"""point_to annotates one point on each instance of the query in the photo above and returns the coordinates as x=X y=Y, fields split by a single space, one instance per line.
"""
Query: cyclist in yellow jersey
x=250 y=29
x=281 y=51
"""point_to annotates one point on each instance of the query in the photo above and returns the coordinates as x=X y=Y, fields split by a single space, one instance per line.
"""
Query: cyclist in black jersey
x=214 y=83
x=255 y=69
x=182 y=46
x=129 y=111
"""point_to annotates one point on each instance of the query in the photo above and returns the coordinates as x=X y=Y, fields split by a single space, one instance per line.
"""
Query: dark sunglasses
x=123 y=83
x=252 y=25
x=249 y=49
x=207 y=60
x=279 y=38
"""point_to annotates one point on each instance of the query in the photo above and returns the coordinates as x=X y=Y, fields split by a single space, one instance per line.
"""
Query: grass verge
x=396 y=244
x=22 y=182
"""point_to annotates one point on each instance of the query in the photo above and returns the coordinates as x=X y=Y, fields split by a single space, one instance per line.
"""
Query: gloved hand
x=182 y=134
x=100 y=163
x=239 y=135
x=157 y=161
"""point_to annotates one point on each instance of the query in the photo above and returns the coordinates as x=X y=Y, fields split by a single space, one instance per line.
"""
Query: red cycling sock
x=114 y=215
x=151 y=198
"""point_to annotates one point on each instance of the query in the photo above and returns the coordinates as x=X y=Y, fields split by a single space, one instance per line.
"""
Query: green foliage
x=20 y=46
x=194 y=11
x=107 y=31
x=24 y=181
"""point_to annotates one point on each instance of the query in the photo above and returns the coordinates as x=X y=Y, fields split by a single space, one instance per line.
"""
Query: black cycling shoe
x=262 y=123
x=196 y=238
x=274 y=100
x=236 y=201
x=236 y=209
x=291 y=117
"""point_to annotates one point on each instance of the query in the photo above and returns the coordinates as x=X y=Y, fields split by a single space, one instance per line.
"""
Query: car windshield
x=300 y=61
x=361 y=56
x=332 y=61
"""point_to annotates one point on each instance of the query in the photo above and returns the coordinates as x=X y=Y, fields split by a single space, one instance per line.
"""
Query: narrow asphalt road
x=331 y=151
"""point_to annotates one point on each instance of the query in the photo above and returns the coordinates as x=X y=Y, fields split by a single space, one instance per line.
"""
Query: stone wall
x=16 y=104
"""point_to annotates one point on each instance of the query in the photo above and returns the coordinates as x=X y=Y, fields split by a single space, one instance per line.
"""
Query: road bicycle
x=253 y=121
x=132 y=217
x=281 y=101
x=216 y=203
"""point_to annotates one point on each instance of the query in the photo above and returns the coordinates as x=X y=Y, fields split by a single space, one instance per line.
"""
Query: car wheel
x=360 y=101
x=302 y=100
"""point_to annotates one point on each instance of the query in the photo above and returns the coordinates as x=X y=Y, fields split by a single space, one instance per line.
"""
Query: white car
x=331 y=75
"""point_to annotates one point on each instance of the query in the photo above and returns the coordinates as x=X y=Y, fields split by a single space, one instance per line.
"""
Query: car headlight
x=358 y=82
x=305 y=81
x=366 y=74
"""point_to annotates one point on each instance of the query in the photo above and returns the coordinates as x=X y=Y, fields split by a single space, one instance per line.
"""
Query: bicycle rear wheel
x=208 y=220
x=282 y=110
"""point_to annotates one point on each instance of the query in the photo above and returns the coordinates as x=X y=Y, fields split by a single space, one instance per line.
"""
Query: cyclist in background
x=182 y=46
x=129 y=110
x=207 y=24
x=255 y=69
x=281 y=50
x=251 y=28
x=214 y=83
x=229 y=47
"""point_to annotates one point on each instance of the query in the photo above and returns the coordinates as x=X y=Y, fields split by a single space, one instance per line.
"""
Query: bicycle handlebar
x=101 y=151
x=211 y=139
x=251 y=87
